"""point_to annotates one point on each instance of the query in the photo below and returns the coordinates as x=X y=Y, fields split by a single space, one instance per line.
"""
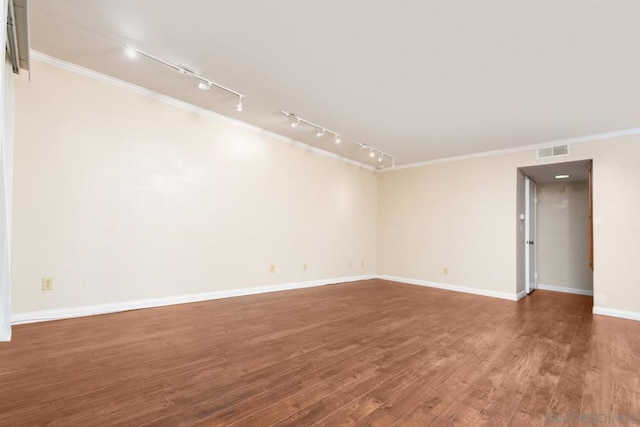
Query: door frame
x=529 y=239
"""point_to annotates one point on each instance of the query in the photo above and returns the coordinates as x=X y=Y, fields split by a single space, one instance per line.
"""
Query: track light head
x=380 y=155
x=130 y=52
x=295 y=122
x=320 y=133
x=338 y=139
x=203 y=83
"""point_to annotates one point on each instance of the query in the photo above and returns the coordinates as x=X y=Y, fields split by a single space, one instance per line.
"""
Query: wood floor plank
x=363 y=353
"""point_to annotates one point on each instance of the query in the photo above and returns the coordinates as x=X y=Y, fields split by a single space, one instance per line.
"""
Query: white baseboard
x=67 y=313
x=456 y=288
x=565 y=290
x=612 y=312
x=91 y=310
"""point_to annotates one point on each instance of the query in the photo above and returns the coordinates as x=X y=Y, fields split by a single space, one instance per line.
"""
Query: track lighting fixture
x=203 y=84
x=381 y=155
x=320 y=130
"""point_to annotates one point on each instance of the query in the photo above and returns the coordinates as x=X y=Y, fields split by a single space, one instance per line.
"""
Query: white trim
x=612 y=312
x=56 y=62
x=456 y=288
x=577 y=140
x=68 y=66
x=67 y=313
x=71 y=312
x=565 y=290
x=527 y=235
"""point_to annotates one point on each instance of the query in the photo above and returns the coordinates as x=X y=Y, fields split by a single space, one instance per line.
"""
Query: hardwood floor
x=365 y=353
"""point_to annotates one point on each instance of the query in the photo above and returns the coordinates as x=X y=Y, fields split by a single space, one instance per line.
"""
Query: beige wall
x=562 y=238
x=121 y=197
x=447 y=215
x=461 y=214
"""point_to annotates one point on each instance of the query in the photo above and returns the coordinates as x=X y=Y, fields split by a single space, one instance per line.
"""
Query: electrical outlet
x=362 y=264
x=47 y=283
x=350 y=264
x=445 y=270
x=272 y=269
x=304 y=267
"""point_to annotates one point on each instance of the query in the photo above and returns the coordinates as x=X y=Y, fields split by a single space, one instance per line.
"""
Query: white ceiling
x=420 y=80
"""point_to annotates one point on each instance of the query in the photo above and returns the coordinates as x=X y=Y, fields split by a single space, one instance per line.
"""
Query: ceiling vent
x=558 y=150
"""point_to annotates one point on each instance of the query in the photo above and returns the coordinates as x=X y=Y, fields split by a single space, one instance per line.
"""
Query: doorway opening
x=555 y=228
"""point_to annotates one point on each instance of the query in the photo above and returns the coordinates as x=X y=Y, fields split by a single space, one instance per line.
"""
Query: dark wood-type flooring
x=365 y=353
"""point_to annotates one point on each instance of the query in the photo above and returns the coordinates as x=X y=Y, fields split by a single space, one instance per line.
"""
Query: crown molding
x=568 y=141
x=68 y=66
x=103 y=78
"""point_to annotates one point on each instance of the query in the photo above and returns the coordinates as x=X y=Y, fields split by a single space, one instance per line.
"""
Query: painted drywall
x=437 y=217
x=562 y=239
x=461 y=215
x=120 y=197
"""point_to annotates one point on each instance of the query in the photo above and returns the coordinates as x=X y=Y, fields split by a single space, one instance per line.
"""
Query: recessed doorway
x=555 y=228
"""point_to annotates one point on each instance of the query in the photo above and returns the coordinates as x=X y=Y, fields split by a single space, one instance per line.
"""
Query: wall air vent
x=558 y=150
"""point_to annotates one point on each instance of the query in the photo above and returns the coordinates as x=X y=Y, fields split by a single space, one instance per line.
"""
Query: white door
x=530 y=202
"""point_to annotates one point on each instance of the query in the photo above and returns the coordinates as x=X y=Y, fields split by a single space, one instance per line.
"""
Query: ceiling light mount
x=373 y=152
x=320 y=130
x=203 y=82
